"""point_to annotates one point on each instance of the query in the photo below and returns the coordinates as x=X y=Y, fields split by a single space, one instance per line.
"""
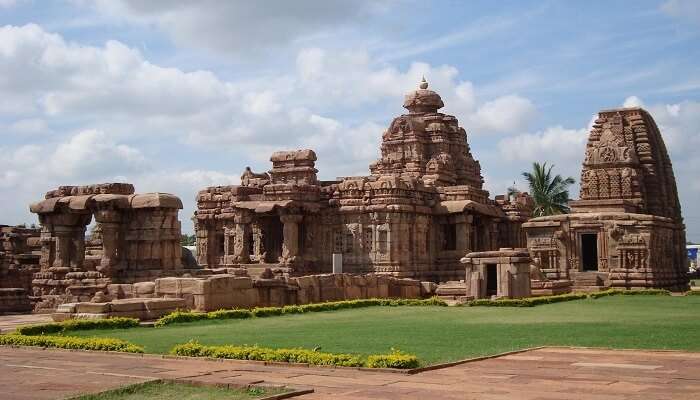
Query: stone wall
x=230 y=291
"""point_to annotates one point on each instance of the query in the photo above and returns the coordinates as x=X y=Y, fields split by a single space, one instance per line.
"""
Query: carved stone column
x=290 y=245
x=110 y=224
x=242 y=235
x=464 y=233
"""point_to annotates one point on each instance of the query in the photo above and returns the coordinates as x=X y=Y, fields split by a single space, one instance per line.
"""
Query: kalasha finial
x=423 y=83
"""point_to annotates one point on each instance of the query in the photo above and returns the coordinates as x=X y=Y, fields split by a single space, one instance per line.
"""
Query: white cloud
x=556 y=145
x=505 y=114
x=239 y=27
x=633 y=101
x=685 y=9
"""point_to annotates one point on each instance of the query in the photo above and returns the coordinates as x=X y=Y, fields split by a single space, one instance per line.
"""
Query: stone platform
x=547 y=373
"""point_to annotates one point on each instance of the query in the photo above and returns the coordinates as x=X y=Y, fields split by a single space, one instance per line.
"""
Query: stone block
x=128 y=305
x=92 y=308
x=66 y=308
x=144 y=288
x=161 y=304
x=166 y=285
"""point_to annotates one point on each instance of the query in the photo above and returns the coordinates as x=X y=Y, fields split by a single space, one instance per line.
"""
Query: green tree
x=550 y=193
x=187 y=240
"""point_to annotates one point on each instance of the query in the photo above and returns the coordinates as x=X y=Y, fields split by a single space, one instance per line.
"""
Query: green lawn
x=439 y=334
x=180 y=391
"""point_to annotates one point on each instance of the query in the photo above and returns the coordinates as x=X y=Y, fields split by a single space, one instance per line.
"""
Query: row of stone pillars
x=237 y=239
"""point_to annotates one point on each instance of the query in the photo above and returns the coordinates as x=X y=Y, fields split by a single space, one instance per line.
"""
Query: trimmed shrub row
x=639 y=292
x=394 y=360
x=261 y=312
x=78 y=325
x=69 y=342
x=535 y=301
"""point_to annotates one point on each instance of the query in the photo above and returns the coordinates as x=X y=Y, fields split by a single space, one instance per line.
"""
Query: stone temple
x=421 y=208
x=626 y=231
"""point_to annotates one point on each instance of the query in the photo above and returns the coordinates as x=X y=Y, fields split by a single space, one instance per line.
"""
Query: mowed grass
x=440 y=334
x=180 y=391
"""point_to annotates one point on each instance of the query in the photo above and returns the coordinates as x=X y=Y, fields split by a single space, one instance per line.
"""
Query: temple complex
x=421 y=208
x=419 y=217
x=626 y=231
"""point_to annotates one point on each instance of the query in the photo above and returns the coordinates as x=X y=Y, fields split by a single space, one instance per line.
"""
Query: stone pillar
x=241 y=245
x=464 y=233
x=110 y=225
x=290 y=245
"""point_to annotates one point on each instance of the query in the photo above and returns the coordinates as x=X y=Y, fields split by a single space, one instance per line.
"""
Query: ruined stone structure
x=501 y=273
x=19 y=260
x=419 y=211
x=136 y=238
x=626 y=230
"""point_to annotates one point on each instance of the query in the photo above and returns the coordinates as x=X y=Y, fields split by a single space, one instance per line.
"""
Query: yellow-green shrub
x=70 y=342
x=78 y=325
x=634 y=292
x=190 y=316
x=395 y=359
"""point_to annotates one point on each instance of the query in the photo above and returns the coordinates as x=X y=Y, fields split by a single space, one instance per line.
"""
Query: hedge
x=78 y=325
x=395 y=359
x=622 y=292
x=70 y=342
x=180 y=316
x=535 y=301
x=693 y=293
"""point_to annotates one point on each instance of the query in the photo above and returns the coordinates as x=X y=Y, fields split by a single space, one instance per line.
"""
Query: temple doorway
x=589 y=251
x=491 y=280
x=273 y=237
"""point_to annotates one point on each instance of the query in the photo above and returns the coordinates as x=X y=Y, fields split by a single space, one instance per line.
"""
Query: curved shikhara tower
x=626 y=230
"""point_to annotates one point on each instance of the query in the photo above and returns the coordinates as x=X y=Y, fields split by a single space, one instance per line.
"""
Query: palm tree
x=551 y=194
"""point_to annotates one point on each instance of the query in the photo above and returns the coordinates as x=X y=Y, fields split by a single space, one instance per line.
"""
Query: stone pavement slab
x=9 y=323
x=541 y=374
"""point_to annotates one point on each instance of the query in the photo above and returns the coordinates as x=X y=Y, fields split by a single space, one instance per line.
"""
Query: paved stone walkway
x=9 y=323
x=549 y=373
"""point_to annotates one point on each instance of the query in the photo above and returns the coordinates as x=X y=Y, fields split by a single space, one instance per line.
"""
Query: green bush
x=78 y=325
x=266 y=311
x=535 y=301
x=394 y=360
x=230 y=314
x=693 y=293
x=69 y=342
x=292 y=310
x=190 y=316
x=180 y=316
x=635 y=292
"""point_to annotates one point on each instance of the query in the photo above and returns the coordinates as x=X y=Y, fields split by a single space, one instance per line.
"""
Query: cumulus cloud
x=237 y=27
x=685 y=9
x=504 y=114
x=633 y=101
x=554 y=144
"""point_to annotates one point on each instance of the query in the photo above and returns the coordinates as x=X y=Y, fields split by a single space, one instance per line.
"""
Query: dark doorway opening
x=589 y=251
x=273 y=237
x=491 y=280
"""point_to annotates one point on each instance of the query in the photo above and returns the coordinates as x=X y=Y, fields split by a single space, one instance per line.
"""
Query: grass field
x=439 y=334
x=180 y=391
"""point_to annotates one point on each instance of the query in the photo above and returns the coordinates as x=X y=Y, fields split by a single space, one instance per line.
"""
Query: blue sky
x=174 y=96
